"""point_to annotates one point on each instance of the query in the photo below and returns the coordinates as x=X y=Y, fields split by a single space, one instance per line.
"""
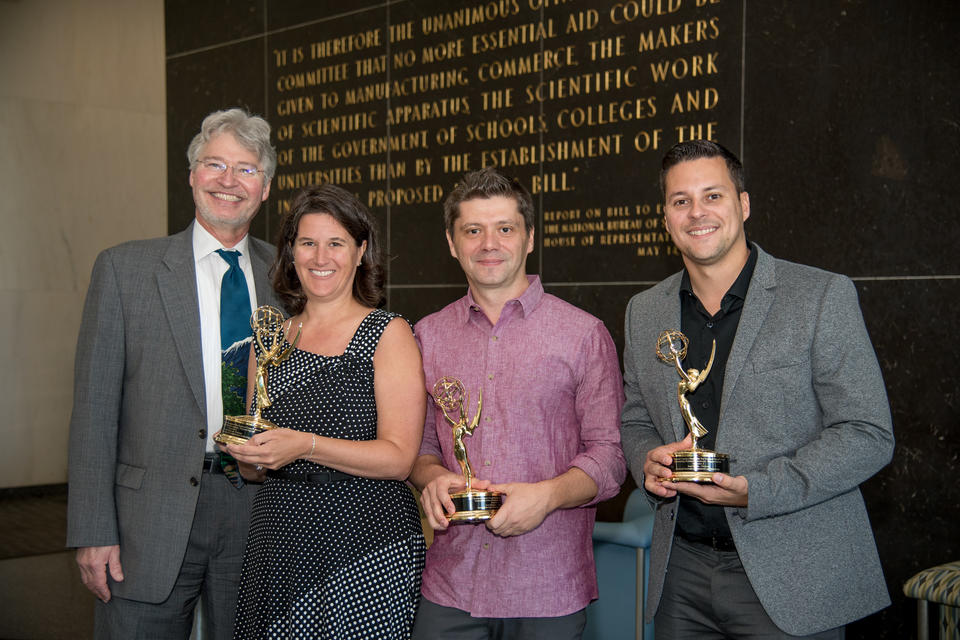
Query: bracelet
x=313 y=445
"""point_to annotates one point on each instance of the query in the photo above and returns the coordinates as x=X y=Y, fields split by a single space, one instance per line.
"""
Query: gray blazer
x=804 y=416
x=138 y=429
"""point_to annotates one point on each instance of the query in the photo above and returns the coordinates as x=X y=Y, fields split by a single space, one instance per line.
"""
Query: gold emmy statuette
x=693 y=464
x=471 y=506
x=267 y=323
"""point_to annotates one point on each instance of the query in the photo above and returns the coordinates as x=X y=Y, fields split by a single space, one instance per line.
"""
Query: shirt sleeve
x=430 y=445
x=98 y=388
x=598 y=404
x=856 y=436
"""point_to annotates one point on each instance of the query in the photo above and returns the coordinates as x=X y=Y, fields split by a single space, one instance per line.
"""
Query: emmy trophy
x=693 y=464
x=267 y=324
x=471 y=506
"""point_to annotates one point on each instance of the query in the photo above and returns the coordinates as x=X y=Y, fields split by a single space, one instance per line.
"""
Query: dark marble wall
x=845 y=115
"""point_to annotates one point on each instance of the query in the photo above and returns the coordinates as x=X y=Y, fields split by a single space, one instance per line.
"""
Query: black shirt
x=695 y=519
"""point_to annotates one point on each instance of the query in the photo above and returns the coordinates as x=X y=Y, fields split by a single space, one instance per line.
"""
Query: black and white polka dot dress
x=341 y=559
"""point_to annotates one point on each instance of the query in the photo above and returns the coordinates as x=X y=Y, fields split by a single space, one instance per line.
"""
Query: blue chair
x=620 y=552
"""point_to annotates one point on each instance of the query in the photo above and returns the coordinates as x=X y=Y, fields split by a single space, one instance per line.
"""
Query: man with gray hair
x=159 y=519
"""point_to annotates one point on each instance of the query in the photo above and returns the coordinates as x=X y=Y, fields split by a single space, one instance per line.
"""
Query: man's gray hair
x=252 y=132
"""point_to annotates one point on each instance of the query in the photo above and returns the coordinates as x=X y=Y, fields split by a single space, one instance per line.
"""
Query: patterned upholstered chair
x=620 y=552
x=941 y=585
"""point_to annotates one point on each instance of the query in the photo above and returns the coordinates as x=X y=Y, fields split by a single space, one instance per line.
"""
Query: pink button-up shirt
x=552 y=395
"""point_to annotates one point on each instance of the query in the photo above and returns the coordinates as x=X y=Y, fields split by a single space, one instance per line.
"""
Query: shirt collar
x=738 y=290
x=528 y=300
x=204 y=243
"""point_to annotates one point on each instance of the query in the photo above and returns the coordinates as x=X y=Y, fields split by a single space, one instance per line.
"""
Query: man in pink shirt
x=547 y=437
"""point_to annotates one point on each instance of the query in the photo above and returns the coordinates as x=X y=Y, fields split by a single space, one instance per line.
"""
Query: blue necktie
x=234 y=329
x=234 y=303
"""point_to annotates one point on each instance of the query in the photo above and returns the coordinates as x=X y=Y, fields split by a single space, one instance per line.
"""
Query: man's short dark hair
x=488 y=182
x=696 y=149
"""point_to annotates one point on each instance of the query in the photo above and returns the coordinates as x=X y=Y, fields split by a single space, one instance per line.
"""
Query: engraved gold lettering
x=469 y=16
x=311 y=153
x=458 y=162
x=423 y=166
x=335 y=175
x=582 y=21
x=698 y=131
x=550 y=182
x=556 y=151
x=303 y=104
x=401 y=31
x=622 y=12
x=313 y=78
x=384 y=170
x=606 y=48
x=680 y=68
x=497 y=99
x=405 y=195
x=339 y=124
x=585 y=84
x=441 y=108
x=442 y=51
x=409 y=86
x=512 y=36
x=696 y=100
x=679 y=34
x=506 y=127
x=523 y=65
x=345 y=44
x=609 y=113
x=370 y=66
x=408 y=141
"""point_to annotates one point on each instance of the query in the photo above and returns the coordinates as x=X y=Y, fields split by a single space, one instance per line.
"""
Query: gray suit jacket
x=804 y=416
x=138 y=429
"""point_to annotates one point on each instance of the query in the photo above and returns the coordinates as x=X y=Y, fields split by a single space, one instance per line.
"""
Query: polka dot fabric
x=331 y=561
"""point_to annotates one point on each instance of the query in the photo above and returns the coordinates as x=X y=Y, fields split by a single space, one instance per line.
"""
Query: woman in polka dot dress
x=335 y=548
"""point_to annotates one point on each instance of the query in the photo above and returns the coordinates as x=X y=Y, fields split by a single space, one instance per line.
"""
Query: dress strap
x=364 y=341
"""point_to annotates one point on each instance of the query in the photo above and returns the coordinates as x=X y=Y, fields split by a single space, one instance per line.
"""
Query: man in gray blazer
x=781 y=546
x=156 y=522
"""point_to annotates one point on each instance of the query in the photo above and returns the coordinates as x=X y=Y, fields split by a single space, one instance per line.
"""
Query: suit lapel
x=177 y=282
x=261 y=258
x=759 y=298
x=668 y=317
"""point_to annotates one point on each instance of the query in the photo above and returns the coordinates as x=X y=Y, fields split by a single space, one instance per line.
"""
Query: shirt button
x=202 y=433
x=489 y=376
x=486 y=545
x=705 y=404
x=194 y=482
x=495 y=338
x=709 y=325
x=486 y=463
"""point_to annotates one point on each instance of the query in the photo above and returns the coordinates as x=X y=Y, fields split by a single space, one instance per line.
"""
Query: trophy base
x=239 y=429
x=474 y=506
x=698 y=465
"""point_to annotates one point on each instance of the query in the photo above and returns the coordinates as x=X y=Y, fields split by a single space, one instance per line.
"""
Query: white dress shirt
x=210 y=268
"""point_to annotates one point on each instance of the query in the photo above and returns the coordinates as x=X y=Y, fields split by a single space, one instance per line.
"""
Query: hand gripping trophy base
x=474 y=506
x=267 y=324
x=239 y=429
x=698 y=465
x=693 y=464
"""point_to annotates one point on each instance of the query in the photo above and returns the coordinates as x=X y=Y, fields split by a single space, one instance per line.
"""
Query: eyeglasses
x=218 y=168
